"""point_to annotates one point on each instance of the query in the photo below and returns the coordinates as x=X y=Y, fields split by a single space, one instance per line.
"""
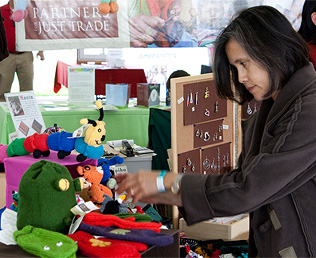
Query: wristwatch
x=175 y=188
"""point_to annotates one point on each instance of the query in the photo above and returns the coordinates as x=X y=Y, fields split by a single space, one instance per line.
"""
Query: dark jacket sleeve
x=286 y=160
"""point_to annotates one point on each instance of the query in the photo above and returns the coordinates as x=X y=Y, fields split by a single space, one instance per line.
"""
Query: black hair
x=308 y=28
x=270 y=40
x=176 y=74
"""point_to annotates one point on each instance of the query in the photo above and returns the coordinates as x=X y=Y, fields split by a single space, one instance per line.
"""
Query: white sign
x=26 y=115
x=81 y=84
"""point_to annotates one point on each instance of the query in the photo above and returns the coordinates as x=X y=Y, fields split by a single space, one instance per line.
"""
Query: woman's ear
x=313 y=16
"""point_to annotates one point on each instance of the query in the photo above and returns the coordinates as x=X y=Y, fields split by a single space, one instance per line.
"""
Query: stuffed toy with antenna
x=91 y=145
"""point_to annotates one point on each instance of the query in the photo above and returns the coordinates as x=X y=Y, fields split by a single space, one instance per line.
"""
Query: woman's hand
x=142 y=186
x=144 y=29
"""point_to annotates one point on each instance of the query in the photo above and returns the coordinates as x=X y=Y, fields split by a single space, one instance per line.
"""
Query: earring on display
x=207 y=93
x=201 y=135
x=196 y=98
x=207 y=112
x=206 y=136
x=249 y=110
x=213 y=165
x=188 y=100
x=193 y=168
x=189 y=162
x=224 y=160
x=220 y=128
x=184 y=169
x=206 y=163
x=197 y=134
x=216 y=106
x=218 y=160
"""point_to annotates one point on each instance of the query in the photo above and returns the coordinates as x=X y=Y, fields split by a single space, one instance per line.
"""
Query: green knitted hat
x=45 y=243
x=16 y=148
x=47 y=193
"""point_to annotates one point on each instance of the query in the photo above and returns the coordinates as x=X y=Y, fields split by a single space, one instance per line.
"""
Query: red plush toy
x=93 y=175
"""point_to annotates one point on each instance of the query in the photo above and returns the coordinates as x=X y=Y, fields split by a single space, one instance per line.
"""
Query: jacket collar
x=299 y=82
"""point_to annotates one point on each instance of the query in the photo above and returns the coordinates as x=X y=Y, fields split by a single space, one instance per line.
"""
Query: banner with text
x=78 y=24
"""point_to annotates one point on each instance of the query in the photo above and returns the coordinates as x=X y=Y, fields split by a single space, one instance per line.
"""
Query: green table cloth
x=126 y=123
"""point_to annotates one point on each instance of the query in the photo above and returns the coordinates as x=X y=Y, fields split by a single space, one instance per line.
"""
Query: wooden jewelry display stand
x=204 y=132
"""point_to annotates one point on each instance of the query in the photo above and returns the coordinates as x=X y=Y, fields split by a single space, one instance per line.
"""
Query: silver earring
x=249 y=110
x=206 y=136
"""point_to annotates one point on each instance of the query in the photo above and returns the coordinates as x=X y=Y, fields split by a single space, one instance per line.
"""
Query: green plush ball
x=16 y=148
x=47 y=193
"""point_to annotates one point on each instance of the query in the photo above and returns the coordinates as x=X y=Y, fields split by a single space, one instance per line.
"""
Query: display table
x=172 y=250
x=102 y=76
x=127 y=123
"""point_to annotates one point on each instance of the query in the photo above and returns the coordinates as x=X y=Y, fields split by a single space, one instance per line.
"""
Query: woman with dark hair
x=308 y=27
x=258 y=55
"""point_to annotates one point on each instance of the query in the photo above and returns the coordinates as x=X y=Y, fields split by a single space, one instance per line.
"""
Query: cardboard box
x=207 y=230
x=148 y=94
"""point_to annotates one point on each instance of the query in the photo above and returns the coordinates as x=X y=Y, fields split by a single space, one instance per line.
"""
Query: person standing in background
x=4 y=53
x=308 y=28
x=17 y=62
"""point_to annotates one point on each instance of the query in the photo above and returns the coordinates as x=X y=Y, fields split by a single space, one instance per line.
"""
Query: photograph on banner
x=26 y=115
x=61 y=24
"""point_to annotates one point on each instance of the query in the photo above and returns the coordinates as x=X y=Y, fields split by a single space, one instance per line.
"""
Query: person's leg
x=25 y=71
x=7 y=71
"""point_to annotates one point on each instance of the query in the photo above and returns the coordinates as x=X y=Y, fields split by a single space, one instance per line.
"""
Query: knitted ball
x=18 y=15
x=36 y=141
x=88 y=151
x=61 y=141
x=16 y=148
x=53 y=129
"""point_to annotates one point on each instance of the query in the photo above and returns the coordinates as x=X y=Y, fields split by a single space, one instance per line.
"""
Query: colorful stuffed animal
x=93 y=175
x=105 y=164
x=91 y=145
x=15 y=205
